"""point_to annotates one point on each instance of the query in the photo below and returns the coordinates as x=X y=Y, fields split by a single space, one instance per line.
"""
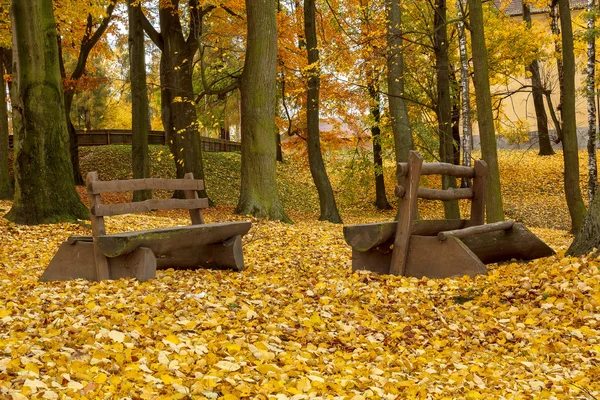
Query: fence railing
x=103 y=137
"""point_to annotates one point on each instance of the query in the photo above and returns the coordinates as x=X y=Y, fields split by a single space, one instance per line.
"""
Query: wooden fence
x=103 y=137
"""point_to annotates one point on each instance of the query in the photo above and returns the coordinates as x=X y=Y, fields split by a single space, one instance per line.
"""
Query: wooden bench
x=440 y=248
x=139 y=254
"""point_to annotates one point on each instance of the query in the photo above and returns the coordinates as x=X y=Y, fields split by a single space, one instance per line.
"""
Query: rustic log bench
x=439 y=248
x=139 y=254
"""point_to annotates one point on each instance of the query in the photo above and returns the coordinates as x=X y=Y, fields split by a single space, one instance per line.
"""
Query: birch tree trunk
x=537 y=93
x=485 y=118
x=444 y=102
x=6 y=190
x=329 y=211
x=44 y=184
x=465 y=100
x=258 y=194
x=591 y=101
x=569 y=128
x=139 y=99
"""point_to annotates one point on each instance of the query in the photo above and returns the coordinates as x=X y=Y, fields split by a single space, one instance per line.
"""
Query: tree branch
x=152 y=33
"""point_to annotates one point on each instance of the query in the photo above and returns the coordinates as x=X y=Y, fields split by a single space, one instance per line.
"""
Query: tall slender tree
x=329 y=211
x=591 y=99
x=569 y=129
x=6 y=190
x=139 y=98
x=465 y=98
x=381 y=201
x=485 y=118
x=537 y=92
x=44 y=184
x=258 y=192
x=88 y=42
x=444 y=101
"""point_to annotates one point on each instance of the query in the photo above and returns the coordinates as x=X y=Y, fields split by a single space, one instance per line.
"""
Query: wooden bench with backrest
x=140 y=253
x=439 y=248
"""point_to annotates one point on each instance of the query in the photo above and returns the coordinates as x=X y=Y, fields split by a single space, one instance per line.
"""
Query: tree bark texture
x=444 y=102
x=591 y=101
x=537 y=92
x=465 y=98
x=485 y=118
x=381 y=201
x=44 y=184
x=569 y=129
x=258 y=192
x=139 y=99
x=329 y=211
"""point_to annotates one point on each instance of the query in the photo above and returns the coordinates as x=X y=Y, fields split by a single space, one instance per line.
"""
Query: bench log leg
x=221 y=255
x=76 y=260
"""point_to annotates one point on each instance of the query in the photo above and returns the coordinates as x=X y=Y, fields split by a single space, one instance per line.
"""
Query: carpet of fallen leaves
x=298 y=323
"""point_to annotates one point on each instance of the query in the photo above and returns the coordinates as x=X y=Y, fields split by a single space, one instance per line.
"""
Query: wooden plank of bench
x=107 y=210
x=367 y=236
x=98 y=187
x=164 y=241
x=437 y=168
x=445 y=195
x=474 y=230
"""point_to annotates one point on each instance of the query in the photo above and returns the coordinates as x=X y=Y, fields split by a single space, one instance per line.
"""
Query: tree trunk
x=444 y=102
x=591 y=101
x=44 y=184
x=537 y=93
x=569 y=129
x=139 y=99
x=588 y=237
x=465 y=97
x=177 y=94
x=403 y=141
x=485 y=118
x=381 y=201
x=258 y=193
x=555 y=29
x=6 y=190
x=329 y=211
x=455 y=118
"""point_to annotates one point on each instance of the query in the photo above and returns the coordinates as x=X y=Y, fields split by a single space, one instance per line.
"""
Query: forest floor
x=298 y=323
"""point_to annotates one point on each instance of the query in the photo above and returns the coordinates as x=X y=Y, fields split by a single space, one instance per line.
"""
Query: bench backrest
x=412 y=171
x=188 y=185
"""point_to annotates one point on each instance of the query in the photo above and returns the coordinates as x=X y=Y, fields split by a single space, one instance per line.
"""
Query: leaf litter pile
x=298 y=323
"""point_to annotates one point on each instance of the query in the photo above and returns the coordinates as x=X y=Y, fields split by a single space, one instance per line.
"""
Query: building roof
x=515 y=7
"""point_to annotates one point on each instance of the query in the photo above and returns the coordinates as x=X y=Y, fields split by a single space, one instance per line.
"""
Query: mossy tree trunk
x=44 y=185
x=328 y=207
x=444 y=102
x=6 y=190
x=485 y=118
x=258 y=193
x=139 y=99
x=537 y=92
x=569 y=127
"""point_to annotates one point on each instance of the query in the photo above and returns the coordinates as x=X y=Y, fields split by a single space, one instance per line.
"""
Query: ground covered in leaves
x=298 y=323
